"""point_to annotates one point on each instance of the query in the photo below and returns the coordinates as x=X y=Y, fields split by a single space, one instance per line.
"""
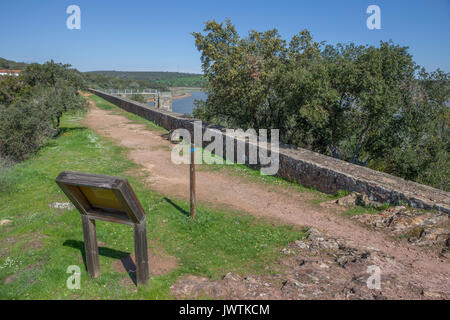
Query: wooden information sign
x=107 y=198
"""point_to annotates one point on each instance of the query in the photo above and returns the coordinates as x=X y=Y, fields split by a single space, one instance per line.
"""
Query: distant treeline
x=127 y=80
x=171 y=79
x=12 y=65
x=100 y=81
x=372 y=106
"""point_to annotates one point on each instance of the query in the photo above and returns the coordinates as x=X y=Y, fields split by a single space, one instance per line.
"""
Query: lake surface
x=186 y=105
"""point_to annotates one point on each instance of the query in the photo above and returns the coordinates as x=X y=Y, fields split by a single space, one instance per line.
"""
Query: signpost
x=107 y=198
x=192 y=180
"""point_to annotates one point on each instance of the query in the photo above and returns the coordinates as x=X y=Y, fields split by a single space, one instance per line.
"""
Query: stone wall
x=310 y=168
x=164 y=101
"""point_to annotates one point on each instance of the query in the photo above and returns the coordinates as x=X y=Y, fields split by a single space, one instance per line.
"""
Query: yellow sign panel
x=102 y=198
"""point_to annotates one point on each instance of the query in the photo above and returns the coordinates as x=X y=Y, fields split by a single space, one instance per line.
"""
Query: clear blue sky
x=155 y=35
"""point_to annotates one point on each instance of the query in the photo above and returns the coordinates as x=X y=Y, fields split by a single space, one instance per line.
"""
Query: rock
x=313 y=278
x=445 y=253
x=62 y=205
x=232 y=277
x=290 y=284
x=329 y=244
x=4 y=222
x=313 y=234
x=251 y=280
x=419 y=227
x=431 y=294
x=434 y=236
x=347 y=201
x=342 y=261
x=301 y=244
x=364 y=200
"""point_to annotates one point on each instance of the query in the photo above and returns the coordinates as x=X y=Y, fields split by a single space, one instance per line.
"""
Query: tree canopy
x=372 y=106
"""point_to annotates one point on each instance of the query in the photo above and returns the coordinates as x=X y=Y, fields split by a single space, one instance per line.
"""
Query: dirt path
x=150 y=149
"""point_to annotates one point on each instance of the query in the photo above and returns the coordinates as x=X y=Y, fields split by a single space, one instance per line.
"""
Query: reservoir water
x=186 y=105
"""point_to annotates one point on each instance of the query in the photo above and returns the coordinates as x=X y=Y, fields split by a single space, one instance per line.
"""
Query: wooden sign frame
x=107 y=198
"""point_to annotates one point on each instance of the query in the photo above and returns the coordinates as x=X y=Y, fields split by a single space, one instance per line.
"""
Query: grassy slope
x=217 y=242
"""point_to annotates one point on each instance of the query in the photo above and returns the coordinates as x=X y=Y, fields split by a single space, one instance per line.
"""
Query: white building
x=4 y=72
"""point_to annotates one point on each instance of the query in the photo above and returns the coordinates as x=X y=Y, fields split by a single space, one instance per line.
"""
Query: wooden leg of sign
x=192 y=180
x=141 y=253
x=90 y=246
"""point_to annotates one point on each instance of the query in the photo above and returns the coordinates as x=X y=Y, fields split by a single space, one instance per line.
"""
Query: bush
x=31 y=107
x=24 y=128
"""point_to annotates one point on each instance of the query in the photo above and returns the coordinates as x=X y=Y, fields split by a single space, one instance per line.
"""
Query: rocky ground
x=317 y=268
x=328 y=268
x=424 y=228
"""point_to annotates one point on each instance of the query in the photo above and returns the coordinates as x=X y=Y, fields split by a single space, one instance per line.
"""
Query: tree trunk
x=361 y=141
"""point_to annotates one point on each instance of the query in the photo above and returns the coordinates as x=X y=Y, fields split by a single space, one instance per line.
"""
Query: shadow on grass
x=173 y=204
x=63 y=130
x=124 y=257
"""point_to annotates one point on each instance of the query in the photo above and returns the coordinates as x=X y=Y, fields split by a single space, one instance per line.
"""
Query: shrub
x=24 y=128
x=31 y=107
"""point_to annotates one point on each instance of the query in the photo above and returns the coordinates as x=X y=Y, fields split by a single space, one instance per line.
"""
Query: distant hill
x=172 y=79
x=101 y=81
x=12 y=65
x=128 y=79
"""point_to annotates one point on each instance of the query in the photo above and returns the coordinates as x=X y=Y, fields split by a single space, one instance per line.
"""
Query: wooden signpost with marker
x=107 y=198
x=192 y=181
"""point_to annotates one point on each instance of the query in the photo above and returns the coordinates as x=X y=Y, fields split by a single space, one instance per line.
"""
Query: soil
x=159 y=264
x=411 y=266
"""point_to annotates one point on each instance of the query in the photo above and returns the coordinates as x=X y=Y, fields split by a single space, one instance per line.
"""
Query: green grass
x=41 y=242
x=359 y=210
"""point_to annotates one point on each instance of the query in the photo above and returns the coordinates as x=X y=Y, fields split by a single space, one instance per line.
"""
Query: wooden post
x=90 y=246
x=192 y=180
x=140 y=252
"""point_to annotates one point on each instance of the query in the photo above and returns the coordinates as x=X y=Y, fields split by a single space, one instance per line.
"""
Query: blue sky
x=155 y=35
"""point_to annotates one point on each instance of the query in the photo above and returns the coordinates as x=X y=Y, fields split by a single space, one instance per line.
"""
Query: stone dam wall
x=305 y=167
